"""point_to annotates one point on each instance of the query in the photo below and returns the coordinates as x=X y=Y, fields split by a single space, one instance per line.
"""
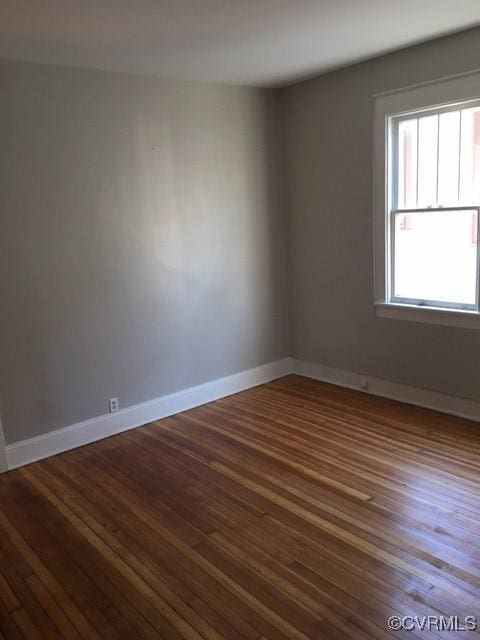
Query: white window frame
x=393 y=105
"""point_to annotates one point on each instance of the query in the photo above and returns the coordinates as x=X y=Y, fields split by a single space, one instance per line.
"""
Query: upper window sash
x=394 y=123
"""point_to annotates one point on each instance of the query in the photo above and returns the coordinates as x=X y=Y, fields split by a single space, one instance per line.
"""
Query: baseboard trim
x=445 y=403
x=24 y=452
x=3 y=454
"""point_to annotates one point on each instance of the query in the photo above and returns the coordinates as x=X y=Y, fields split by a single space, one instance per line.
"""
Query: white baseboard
x=26 y=451
x=411 y=395
x=3 y=453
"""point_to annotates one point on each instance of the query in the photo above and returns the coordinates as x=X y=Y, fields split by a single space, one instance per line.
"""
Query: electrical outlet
x=113 y=405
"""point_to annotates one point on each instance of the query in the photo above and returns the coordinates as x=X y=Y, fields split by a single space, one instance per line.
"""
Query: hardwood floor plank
x=198 y=581
x=126 y=564
x=80 y=626
x=7 y=596
x=294 y=510
x=26 y=625
x=8 y=625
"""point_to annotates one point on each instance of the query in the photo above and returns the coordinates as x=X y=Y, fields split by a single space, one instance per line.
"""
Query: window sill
x=429 y=315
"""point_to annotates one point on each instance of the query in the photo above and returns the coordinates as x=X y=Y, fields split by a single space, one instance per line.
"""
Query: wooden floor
x=293 y=510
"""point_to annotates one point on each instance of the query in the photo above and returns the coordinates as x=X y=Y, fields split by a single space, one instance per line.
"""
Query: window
x=427 y=202
x=435 y=166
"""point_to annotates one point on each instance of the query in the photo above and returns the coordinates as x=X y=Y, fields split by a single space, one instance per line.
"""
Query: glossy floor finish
x=293 y=510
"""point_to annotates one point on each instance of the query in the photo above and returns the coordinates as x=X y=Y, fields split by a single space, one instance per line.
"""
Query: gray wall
x=142 y=245
x=328 y=155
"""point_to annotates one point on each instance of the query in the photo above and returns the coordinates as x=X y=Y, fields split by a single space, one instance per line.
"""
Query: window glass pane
x=448 y=158
x=436 y=256
x=427 y=161
x=407 y=164
x=470 y=156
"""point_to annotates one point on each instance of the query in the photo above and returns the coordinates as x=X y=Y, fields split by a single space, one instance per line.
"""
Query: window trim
x=429 y=315
x=435 y=95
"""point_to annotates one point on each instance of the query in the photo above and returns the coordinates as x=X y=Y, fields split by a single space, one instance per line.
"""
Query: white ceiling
x=257 y=42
